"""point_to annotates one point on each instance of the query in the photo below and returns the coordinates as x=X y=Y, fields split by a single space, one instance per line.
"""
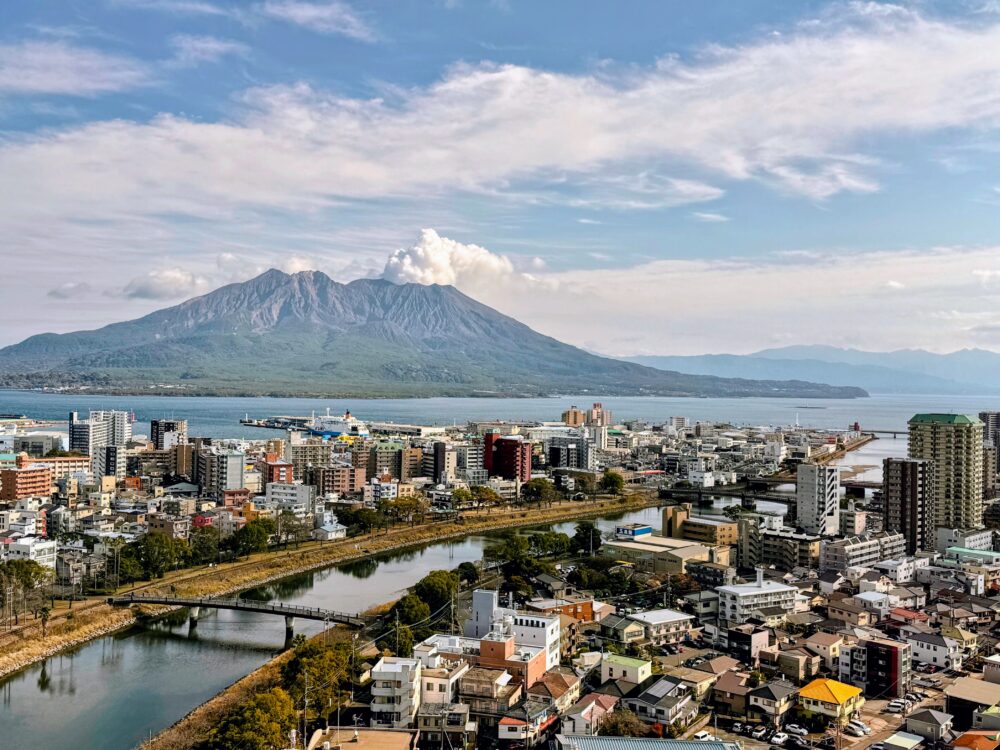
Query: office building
x=953 y=443
x=574 y=417
x=907 y=486
x=817 y=499
x=166 y=433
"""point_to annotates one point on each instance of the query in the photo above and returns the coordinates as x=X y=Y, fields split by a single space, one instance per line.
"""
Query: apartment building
x=879 y=666
x=739 y=602
x=953 y=443
x=817 y=499
x=395 y=692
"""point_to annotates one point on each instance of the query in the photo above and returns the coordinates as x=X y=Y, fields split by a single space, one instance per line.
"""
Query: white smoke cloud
x=438 y=260
x=165 y=284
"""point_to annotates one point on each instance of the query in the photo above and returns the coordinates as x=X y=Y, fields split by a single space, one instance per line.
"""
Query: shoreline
x=103 y=619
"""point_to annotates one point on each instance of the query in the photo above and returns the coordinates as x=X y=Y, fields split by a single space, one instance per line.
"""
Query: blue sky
x=648 y=177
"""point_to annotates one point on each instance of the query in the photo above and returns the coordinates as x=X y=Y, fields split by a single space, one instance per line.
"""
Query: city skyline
x=821 y=173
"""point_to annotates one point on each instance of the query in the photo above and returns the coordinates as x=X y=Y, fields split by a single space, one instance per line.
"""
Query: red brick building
x=278 y=471
x=25 y=481
x=507 y=457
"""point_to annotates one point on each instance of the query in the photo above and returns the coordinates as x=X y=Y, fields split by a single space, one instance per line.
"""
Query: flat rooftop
x=367 y=739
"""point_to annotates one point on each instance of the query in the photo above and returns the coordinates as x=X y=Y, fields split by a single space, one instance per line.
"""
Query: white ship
x=329 y=425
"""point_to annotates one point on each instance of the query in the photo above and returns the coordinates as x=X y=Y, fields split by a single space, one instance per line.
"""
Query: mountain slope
x=306 y=334
x=904 y=371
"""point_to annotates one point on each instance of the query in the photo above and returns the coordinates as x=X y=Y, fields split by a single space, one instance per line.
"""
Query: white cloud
x=324 y=17
x=59 y=67
x=181 y=7
x=190 y=50
x=588 y=221
x=166 y=284
x=775 y=301
x=709 y=217
x=439 y=260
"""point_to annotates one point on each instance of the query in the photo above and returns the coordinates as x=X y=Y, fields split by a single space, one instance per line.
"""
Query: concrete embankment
x=94 y=618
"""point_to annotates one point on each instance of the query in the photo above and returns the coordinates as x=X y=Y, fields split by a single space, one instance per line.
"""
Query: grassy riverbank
x=93 y=618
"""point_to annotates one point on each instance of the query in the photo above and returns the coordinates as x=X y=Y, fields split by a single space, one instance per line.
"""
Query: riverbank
x=94 y=618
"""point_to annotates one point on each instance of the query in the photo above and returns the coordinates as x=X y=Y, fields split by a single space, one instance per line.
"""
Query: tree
x=253 y=537
x=437 y=588
x=468 y=573
x=293 y=528
x=461 y=498
x=205 y=544
x=587 y=538
x=398 y=640
x=612 y=482
x=262 y=723
x=411 y=609
x=483 y=495
x=539 y=490
x=157 y=553
x=622 y=723
x=321 y=666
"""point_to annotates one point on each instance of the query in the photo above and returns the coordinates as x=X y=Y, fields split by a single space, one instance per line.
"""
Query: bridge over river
x=288 y=611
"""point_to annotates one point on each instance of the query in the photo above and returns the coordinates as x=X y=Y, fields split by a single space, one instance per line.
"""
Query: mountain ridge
x=307 y=334
x=964 y=371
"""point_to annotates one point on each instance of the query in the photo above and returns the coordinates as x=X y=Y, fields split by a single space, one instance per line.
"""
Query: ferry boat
x=329 y=425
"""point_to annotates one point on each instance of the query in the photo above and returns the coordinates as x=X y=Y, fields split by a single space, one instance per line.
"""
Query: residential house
x=395 y=692
x=664 y=626
x=798 y=664
x=933 y=648
x=559 y=687
x=932 y=725
x=622 y=630
x=661 y=699
x=770 y=702
x=615 y=667
x=835 y=700
x=445 y=725
x=731 y=694
x=827 y=647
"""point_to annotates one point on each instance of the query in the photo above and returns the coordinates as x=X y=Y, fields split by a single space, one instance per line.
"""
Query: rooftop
x=589 y=742
x=660 y=616
x=829 y=691
x=943 y=419
x=367 y=739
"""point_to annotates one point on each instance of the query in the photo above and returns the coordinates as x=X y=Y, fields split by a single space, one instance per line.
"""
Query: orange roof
x=829 y=691
x=509 y=721
x=978 y=741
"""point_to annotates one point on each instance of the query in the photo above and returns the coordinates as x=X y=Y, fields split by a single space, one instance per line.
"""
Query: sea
x=219 y=417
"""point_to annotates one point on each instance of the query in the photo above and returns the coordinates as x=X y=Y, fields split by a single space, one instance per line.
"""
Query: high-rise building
x=220 y=470
x=906 y=495
x=507 y=457
x=166 y=433
x=954 y=444
x=598 y=416
x=101 y=429
x=574 y=417
x=817 y=499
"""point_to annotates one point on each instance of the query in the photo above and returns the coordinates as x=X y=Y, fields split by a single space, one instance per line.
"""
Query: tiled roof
x=829 y=691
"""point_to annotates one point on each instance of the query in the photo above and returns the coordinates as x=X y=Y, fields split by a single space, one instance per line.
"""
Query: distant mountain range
x=306 y=334
x=968 y=371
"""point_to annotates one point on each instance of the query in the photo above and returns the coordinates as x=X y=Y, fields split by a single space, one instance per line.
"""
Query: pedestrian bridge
x=288 y=611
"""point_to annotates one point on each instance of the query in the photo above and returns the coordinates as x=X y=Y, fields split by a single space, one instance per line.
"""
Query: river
x=114 y=692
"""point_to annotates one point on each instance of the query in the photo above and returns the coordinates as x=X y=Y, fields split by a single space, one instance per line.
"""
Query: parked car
x=737 y=727
x=796 y=730
x=894 y=709
x=865 y=729
x=829 y=742
x=912 y=697
x=703 y=736
x=854 y=731
x=779 y=739
x=759 y=732
x=877 y=746
x=798 y=743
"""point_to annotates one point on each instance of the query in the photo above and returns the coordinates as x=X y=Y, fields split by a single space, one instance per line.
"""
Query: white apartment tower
x=817 y=498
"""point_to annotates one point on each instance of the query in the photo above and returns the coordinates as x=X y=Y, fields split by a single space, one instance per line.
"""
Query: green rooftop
x=943 y=419
x=624 y=661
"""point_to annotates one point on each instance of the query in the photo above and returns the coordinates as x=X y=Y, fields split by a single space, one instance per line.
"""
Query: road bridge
x=288 y=611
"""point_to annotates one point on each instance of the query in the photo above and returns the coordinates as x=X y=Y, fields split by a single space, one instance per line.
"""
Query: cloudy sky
x=646 y=177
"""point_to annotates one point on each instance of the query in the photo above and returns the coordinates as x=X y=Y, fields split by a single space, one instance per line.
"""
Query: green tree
x=587 y=537
x=411 y=609
x=254 y=536
x=205 y=544
x=622 y=723
x=157 y=553
x=483 y=495
x=461 y=497
x=323 y=667
x=612 y=482
x=468 y=573
x=437 y=588
x=539 y=490
x=262 y=723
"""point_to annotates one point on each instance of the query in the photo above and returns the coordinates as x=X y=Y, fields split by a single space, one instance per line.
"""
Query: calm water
x=219 y=417
x=112 y=693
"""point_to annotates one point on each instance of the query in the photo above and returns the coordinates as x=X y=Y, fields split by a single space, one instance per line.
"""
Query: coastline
x=102 y=619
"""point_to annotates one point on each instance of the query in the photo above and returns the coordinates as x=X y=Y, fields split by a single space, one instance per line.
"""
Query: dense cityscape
x=782 y=600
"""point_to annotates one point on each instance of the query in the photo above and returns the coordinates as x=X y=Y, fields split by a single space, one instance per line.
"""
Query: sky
x=659 y=177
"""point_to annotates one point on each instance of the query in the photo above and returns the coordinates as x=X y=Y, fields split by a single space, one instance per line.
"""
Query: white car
x=796 y=730
x=703 y=736
x=861 y=725
x=854 y=731
x=779 y=739
x=759 y=732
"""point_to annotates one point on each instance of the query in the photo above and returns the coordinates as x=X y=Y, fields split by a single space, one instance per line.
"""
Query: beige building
x=954 y=444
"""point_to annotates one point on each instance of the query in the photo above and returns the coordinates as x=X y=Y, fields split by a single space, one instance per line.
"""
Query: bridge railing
x=298 y=610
